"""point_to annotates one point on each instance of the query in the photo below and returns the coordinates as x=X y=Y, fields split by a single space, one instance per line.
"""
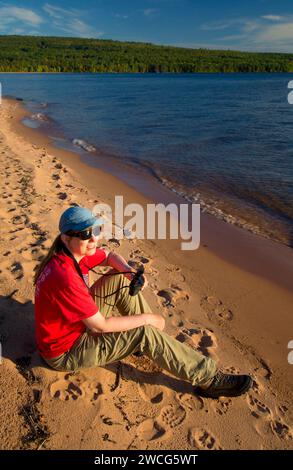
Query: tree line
x=60 y=54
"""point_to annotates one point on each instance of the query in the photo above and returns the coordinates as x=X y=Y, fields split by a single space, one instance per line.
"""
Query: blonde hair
x=55 y=248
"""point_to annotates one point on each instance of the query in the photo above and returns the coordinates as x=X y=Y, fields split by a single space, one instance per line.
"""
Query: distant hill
x=58 y=54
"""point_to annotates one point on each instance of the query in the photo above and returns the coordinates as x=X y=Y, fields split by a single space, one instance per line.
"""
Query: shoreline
x=135 y=174
x=256 y=207
x=213 y=299
x=250 y=251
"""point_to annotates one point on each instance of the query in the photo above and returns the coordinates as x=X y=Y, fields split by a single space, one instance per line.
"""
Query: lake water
x=224 y=140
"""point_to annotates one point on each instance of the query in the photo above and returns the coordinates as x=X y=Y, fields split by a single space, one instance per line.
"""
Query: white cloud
x=277 y=33
x=69 y=21
x=17 y=18
x=57 y=12
x=255 y=34
x=272 y=17
x=244 y=24
x=82 y=29
x=79 y=28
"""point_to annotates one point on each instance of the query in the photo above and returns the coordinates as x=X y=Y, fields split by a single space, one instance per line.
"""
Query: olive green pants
x=92 y=350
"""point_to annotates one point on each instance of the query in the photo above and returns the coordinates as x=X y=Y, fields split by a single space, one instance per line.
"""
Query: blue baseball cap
x=78 y=218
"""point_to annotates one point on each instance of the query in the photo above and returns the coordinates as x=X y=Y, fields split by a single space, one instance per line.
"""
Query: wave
x=84 y=145
x=243 y=215
x=40 y=117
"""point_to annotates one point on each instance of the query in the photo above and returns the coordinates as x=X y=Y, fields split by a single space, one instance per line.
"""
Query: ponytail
x=55 y=248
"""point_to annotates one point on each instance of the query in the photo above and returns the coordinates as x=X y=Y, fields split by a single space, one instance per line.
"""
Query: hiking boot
x=225 y=385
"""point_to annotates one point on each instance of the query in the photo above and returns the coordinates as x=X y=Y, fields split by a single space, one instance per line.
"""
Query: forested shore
x=60 y=54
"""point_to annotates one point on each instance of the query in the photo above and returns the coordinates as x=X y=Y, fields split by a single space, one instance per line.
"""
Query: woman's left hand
x=130 y=275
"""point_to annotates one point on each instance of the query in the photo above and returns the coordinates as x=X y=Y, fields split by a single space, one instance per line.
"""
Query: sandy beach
x=232 y=299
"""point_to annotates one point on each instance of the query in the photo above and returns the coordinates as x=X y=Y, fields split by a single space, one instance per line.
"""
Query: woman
x=74 y=331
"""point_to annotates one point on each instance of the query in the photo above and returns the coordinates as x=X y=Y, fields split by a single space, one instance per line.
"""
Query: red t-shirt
x=62 y=301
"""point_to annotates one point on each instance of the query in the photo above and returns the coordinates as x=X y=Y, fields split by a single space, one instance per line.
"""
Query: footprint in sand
x=202 y=439
x=153 y=393
x=34 y=255
x=6 y=195
x=281 y=429
x=222 y=405
x=40 y=238
x=62 y=196
x=202 y=340
x=93 y=390
x=172 y=295
x=151 y=271
x=230 y=370
x=177 y=271
x=256 y=387
x=150 y=430
x=257 y=408
x=17 y=270
x=37 y=229
x=20 y=220
x=73 y=387
x=134 y=264
x=19 y=229
x=137 y=258
x=65 y=390
x=189 y=402
x=171 y=416
x=283 y=409
x=114 y=242
x=215 y=309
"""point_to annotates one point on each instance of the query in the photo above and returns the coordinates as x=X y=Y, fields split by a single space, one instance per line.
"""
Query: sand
x=232 y=299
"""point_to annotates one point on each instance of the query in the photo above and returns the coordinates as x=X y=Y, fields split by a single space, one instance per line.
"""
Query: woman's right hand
x=156 y=320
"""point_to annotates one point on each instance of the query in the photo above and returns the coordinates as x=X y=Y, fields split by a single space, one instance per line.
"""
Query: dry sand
x=232 y=299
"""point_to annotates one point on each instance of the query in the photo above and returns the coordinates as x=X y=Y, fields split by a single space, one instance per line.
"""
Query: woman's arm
x=98 y=323
x=119 y=263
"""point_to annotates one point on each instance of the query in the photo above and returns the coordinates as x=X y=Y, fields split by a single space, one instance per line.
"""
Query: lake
x=223 y=140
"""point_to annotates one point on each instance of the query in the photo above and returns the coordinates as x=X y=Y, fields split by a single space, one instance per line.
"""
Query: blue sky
x=253 y=25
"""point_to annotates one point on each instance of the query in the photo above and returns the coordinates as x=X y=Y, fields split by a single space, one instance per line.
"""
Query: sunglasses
x=86 y=234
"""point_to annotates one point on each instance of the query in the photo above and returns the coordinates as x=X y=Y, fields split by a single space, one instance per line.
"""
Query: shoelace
x=222 y=379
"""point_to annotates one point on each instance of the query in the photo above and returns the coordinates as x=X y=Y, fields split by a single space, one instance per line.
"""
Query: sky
x=248 y=25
